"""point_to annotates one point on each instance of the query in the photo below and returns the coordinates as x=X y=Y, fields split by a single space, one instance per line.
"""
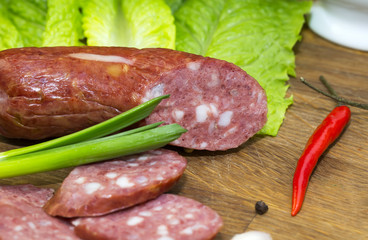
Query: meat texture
x=49 y=92
x=22 y=216
x=101 y=188
x=168 y=217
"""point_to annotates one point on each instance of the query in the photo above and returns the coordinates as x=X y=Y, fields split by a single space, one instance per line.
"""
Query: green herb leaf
x=89 y=151
x=99 y=130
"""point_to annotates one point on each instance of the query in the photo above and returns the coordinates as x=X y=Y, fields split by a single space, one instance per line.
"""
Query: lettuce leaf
x=63 y=24
x=257 y=35
x=138 y=23
x=23 y=21
x=9 y=35
x=174 y=4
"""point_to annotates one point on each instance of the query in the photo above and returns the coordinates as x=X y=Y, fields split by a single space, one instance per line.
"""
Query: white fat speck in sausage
x=214 y=80
x=202 y=113
x=230 y=131
x=145 y=214
x=143 y=158
x=101 y=58
x=194 y=66
x=32 y=225
x=162 y=230
x=158 y=208
x=174 y=221
x=225 y=118
x=18 y=228
x=187 y=231
x=134 y=221
x=155 y=91
x=152 y=163
x=124 y=182
x=203 y=145
x=159 y=178
x=142 y=180
x=214 y=110
x=189 y=216
x=178 y=115
x=45 y=223
x=92 y=187
x=111 y=175
x=80 y=180
x=76 y=222
x=165 y=238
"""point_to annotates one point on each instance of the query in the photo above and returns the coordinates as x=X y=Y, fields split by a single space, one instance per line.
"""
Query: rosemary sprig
x=328 y=86
x=334 y=96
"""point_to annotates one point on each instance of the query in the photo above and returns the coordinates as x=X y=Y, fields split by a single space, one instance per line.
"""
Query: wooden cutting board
x=336 y=204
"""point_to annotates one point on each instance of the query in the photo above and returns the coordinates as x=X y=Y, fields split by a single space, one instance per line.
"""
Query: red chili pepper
x=325 y=134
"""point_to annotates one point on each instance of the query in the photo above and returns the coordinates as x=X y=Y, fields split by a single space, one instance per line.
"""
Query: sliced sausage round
x=169 y=217
x=22 y=216
x=100 y=188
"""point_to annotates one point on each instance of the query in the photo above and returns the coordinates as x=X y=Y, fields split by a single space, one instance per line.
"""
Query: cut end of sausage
x=219 y=104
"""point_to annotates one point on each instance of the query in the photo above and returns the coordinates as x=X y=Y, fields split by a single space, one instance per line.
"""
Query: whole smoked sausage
x=49 y=92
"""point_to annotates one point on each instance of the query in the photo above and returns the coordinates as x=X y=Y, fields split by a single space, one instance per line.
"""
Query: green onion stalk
x=90 y=151
x=99 y=130
x=92 y=144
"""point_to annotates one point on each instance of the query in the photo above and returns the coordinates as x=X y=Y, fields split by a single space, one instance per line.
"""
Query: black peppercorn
x=261 y=207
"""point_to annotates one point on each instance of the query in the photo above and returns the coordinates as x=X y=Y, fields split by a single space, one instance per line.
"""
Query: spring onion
x=90 y=151
x=102 y=129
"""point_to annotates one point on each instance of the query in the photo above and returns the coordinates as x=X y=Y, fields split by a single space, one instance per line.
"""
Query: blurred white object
x=344 y=22
x=252 y=235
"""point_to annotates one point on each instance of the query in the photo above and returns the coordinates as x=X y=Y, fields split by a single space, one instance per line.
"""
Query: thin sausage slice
x=100 y=188
x=48 y=92
x=22 y=216
x=168 y=217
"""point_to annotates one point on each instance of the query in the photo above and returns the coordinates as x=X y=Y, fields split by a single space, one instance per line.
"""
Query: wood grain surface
x=336 y=203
